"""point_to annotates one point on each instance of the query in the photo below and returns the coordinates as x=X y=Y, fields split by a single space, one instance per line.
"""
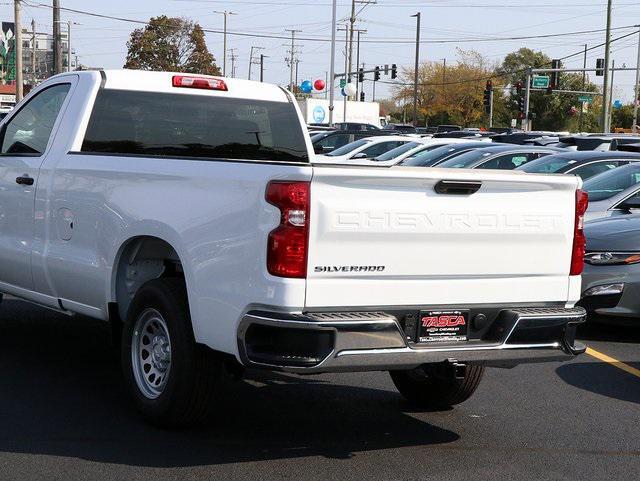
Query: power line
x=322 y=39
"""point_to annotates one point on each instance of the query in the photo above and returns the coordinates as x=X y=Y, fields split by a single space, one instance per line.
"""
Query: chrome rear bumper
x=372 y=341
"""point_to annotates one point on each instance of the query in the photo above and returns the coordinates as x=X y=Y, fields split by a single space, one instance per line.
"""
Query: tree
x=552 y=112
x=449 y=95
x=170 y=44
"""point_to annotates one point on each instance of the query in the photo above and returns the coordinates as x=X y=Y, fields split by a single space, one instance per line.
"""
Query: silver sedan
x=611 y=277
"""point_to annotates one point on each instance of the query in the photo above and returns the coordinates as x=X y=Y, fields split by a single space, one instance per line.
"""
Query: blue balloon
x=306 y=86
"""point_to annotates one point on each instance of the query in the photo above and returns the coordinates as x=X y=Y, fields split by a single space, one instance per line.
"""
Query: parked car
x=439 y=155
x=326 y=142
x=186 y=213
x=447 y=128
x=520 y=137
x=611 y=277
x=426 y=130
x=459 y=134
x=603 y=142
x=583 y=164
x=412 y=148
x=363 y=149
x=503 y=157
x=404 y=128
x=351 y=126
x=613 y=193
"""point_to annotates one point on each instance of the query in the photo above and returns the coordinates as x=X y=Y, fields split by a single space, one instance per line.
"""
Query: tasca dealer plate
x=443 y=326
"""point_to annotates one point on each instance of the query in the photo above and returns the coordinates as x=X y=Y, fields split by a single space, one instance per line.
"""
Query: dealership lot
x=64 y=415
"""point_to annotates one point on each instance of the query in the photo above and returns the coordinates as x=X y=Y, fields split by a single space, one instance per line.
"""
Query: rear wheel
x=171 y=379
x=438 y=386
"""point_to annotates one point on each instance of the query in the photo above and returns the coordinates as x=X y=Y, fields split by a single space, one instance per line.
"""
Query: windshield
x=546 y=165
x=608 y=184
x=465 y=160
x=345 y=149
x=398 y=151
x=431 y=157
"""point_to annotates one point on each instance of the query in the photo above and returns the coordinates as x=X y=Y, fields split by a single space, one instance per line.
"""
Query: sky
x=446 y=26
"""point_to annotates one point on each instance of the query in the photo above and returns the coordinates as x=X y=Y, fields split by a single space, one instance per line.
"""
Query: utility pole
x=358 y=62
x=584 y=85
x=607 y=47
x=636 y=90
x=251 y=62
x=18 y=49
x=33 y=53
x=57 y=44
x=527 y=102
x=491 y=108
x=233 y=58
x=415 y=73
x=610 y=115
x=346 y=72
x=262 y=57
x=292 y=57
x=69 y=46
x=332 y=62
x=224 y=41
x=297 y=62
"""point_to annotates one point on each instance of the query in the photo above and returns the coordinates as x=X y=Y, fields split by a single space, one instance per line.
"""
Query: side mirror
x=630 y=204
x=360 y=155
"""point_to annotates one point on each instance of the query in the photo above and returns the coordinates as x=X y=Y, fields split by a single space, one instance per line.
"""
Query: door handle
x=24 y=180
x=457 y=187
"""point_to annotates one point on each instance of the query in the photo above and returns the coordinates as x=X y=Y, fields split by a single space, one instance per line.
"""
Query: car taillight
x=288 y=243
x=579 y=240
x=190 y=82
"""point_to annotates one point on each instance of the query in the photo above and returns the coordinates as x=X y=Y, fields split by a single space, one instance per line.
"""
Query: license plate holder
x=443 y=326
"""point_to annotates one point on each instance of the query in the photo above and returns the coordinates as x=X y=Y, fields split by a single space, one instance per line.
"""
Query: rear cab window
x=194 y=126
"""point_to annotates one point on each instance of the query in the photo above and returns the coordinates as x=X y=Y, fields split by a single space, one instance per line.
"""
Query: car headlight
x=604 y=290
x=611 y=258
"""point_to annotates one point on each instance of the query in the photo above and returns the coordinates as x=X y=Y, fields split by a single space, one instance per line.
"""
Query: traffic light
x=360 y=75
x=519 y=87
x=521 y=105
x=362 y=96
x=376 y=74
x=394 y=71
x=599 y=67
x=487 y=97
x=555 y=76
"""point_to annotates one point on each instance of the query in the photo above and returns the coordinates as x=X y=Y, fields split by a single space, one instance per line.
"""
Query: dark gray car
x=611 y=277
x=504 y=157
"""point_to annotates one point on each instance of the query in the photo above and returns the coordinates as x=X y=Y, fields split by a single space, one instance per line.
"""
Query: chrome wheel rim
x=151 y=353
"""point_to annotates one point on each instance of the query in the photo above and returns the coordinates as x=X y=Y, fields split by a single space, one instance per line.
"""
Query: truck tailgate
x=385 y=237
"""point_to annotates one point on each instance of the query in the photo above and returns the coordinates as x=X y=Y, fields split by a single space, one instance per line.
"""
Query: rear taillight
x=579 y=240
x=288 y=243
x=191 y=82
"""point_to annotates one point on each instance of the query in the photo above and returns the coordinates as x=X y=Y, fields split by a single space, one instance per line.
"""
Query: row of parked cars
x=609 y=165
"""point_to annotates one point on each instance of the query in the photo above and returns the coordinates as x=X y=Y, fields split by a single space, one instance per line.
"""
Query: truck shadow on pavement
x=62 y=395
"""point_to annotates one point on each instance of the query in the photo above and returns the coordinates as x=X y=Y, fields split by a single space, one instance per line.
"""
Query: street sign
x=586 y=98
x=343 y=83
x=540 y=81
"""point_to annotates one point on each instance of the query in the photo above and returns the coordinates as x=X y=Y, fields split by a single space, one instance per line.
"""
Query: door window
x=28 y=132
x=382 y=147
x=508 y=161
x=590 y=170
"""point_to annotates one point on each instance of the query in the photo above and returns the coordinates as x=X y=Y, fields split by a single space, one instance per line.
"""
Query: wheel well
x=143 y=259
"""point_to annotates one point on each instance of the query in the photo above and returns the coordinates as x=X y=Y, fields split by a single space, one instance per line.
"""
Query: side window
x=506 y=162
x=590 y=170
x=29 y=130
x=381 y=148
x=334 y=141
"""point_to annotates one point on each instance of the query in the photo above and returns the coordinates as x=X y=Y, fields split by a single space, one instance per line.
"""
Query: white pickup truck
x=186 y=211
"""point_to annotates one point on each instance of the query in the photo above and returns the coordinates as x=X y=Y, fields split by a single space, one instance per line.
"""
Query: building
x=40 y=45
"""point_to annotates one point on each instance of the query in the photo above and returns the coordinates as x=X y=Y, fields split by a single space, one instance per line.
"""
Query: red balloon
x=319 y=84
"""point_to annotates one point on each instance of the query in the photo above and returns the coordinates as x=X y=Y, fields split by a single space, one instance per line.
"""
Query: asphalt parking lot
x=64 y=415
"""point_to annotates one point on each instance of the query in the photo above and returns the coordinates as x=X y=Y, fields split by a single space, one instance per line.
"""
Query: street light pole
x=332 y=66
x=415 y=73
x=18 y=49
x=224 y=41
x=634 y=127
x=262 y=57
x=605 y=94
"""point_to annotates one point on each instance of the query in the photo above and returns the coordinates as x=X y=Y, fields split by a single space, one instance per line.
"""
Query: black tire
x=436 y=386
x=193 y=378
